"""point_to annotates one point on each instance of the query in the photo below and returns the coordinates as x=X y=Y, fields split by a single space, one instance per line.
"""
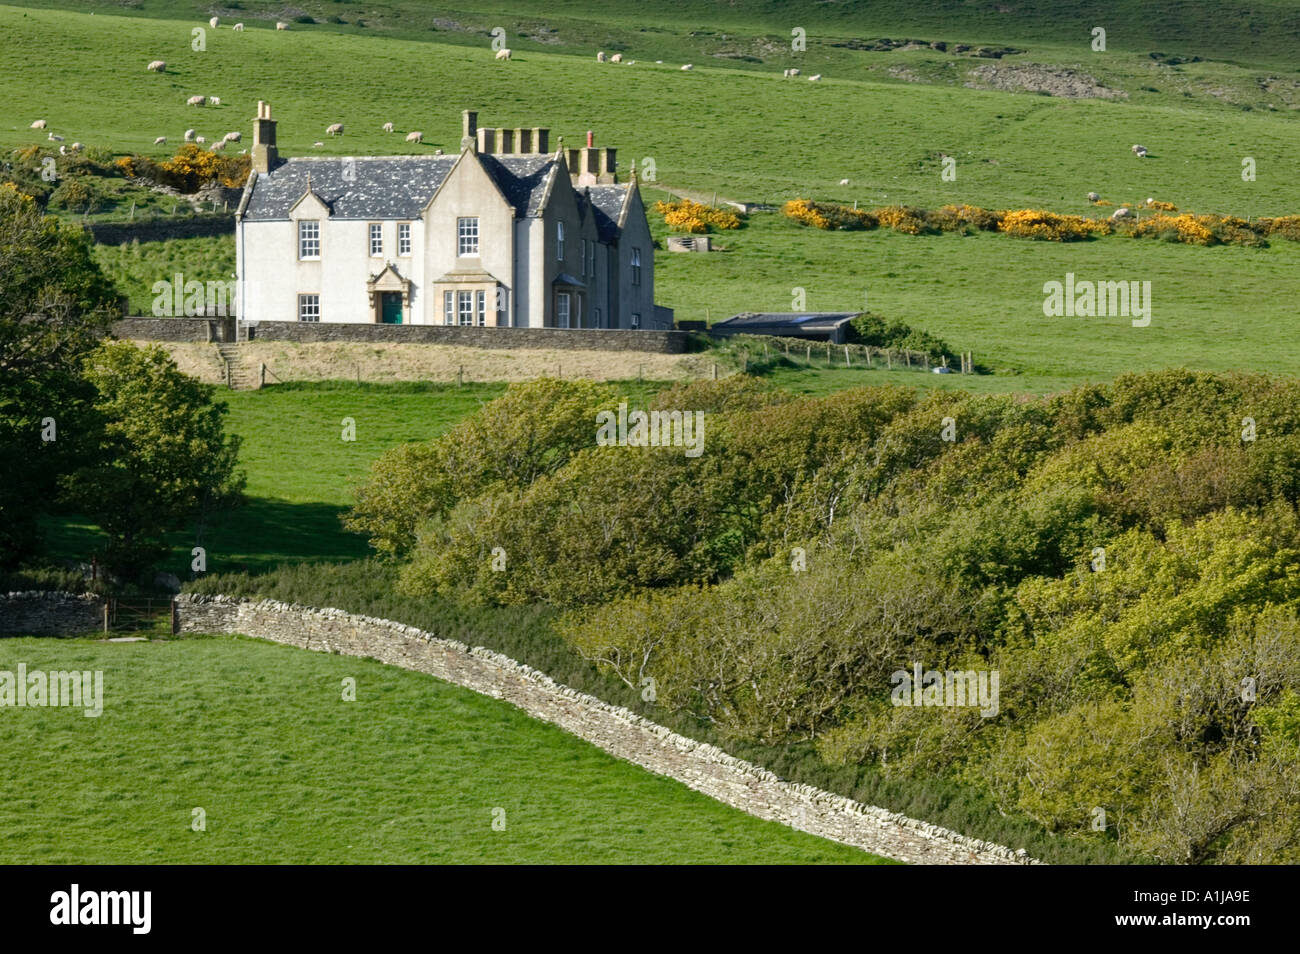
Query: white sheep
x=1151 y=201
x=1139 y=151
x=39 y=124
x=158 y=66
x=214 y=100
x=238 y=28
x=616 y=58
x=631 y=62
x=196 y=101
x=1094 y=197
x=217 y=146
x=281 y=25
x=503 y=54
x=793 y=71
x=54 y=138
x=415 y=137
x=1122 y=213
x=388 y=127
x=63 y=150
x=213 y=22
x=189 y=135
x=76 y=147
x=688 y=66
x=600 y=57
x=816 y=77
x=160 y=141
x=318 y=144
x=233 y=136
x=844 y=182
x=200 y=139
x=335 y=129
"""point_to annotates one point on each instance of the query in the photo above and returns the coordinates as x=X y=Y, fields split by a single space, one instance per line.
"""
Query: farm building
x=829 y=326
x=506 y=233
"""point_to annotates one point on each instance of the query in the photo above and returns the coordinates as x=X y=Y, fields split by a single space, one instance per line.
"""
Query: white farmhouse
x=504 y=234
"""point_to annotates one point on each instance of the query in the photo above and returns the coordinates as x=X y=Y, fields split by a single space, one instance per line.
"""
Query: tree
x=55 y=304
x=161 y=453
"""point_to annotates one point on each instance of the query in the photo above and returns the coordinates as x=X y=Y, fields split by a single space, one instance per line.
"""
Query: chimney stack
x=265 y=156
x=469 y=129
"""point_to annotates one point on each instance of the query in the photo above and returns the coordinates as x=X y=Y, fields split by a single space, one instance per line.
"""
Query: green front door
x=391 y=308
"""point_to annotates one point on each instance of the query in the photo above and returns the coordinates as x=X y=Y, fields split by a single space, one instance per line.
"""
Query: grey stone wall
x=167 y=329
x=618 y=731
x=157 y=230
x=37 y=613
x=595 y=339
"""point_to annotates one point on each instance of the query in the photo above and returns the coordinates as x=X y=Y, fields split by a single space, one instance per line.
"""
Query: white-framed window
x=309 y=307
x=465 y=307
x=448 y=308
x=636 y=266
x=482 y=307
x=376 y=240
x=562 y=310
x=403 y=238
x=308 y=239
x=636 y=319
x=559 y=241
x=467 y=235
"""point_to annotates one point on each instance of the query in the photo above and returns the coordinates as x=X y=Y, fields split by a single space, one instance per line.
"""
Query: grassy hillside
x=258 y=736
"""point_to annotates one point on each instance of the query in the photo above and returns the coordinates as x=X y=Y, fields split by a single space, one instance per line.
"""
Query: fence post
x=808 y=355
x=715 y=370
x=460 y=376
x=889 y=360
x=847 y=362
x=105 y=616
x=261 y=376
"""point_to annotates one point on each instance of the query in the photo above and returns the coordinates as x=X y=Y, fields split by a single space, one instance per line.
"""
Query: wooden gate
x=145 y=616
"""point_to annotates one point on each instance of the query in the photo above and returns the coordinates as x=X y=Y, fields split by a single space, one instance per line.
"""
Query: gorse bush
x=685 y=215
x=828 y=215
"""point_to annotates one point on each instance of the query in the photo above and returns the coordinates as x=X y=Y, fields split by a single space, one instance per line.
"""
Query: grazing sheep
x=816 y=77
x=318 y=144
x=844 y=182
x=214 y=100
x=503 y=54
x=1150 y=201
x=388 y=127
x=76 y=147
x=63 y=150
x=158 y=66
x=238 y=28
x=335 y=129
x=1139 y=151
x=39 y=124
x=196 y=101
x=200 y=139
x=415 y=137
x=160 y=141
x=233 y=136
x=281 y=25
x=616 y=58
x=688 y=66
x=213 y=22
x=600 y=57
x=189 y=135
x=1093 y=197
x=1122 y=213
x=217 y=146
x=437 y=152
x=793 y=71
x=54 y=138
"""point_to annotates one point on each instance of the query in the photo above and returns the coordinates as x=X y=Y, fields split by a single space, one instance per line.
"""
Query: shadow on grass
x=253 y=538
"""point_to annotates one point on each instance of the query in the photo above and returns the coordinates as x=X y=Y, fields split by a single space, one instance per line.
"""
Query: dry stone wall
x=617 y=730
x=38 y=613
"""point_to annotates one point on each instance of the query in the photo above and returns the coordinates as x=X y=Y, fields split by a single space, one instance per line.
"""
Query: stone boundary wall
x=305 y=332
x=39 y=613
x=590 y=339
x=161 y=229
x=167 y=329
x=617 y=730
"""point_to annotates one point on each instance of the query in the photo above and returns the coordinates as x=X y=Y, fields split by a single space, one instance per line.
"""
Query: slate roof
x=392 y=187
x=794 y=323
x=607 y=204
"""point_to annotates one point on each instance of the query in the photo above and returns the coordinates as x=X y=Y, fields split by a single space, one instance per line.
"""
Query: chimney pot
x=589 y=139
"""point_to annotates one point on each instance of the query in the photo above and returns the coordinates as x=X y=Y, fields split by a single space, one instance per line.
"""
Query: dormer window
x=308 y=239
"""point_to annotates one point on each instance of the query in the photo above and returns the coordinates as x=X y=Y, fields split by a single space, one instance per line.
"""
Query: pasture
x=259 y=737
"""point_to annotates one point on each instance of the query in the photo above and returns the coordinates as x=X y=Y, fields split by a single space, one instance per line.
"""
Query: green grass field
x=257 y=735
